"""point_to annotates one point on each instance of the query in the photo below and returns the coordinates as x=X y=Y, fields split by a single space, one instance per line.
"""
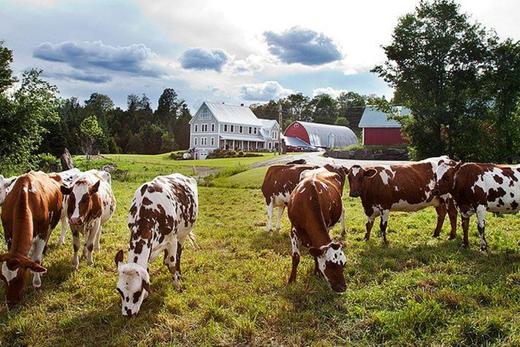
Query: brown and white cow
x=406 y=188
x=30 y=211
x=477 y=188
x=161 y=217
x=280 y=181
x=90 y=204
x=314 y=207
x=63 y=177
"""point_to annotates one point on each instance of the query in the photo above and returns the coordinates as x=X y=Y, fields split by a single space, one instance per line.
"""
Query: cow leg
x=481 y=225
x=465 y=229
x=75 y=246
x=452 y=214
x=270 y=216
x=441 y=214
x=172 y=260
x=295 y=251
x=89 y=242
x=64 y=227
x=280 y=214
x=369 y=224
x=342 y=221
x=97 y=245
x=384 y=223
x=36 y=254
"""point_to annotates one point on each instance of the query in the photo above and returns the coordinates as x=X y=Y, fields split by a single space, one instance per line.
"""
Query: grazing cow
x=30 y=211
x=90 y=204
x=477 y=188
x=61 y=177
x=406 y=188
x=314 y=207
x=280 y=181
x=161 y=217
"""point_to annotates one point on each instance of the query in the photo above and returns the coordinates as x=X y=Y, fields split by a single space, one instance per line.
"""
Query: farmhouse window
x=225 y=127
x=250 y=130
x=232 y=128
x=196 y=128
x=212 y=141
x=212 y=127
x=195 y=142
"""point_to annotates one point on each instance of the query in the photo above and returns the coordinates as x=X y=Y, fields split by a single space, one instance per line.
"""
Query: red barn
x=377 y=129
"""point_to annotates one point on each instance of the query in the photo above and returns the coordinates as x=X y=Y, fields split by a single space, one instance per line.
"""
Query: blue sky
x=230 y=51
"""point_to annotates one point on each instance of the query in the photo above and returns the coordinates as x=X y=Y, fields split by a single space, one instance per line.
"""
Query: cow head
x=83 y=200
x=445 y=178
x=356 y=175
x=338 y=169
x=133 y=285
x=14 y=268
x=331 y=261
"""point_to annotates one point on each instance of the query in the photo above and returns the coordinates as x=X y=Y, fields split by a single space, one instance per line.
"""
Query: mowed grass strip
x=415 y=291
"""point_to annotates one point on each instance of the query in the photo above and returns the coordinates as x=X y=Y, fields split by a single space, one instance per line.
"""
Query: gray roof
x=233 y=114
x=373 y=118
x=319 y=134
x=268 y=123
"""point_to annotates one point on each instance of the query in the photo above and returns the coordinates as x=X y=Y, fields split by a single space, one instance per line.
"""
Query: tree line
x=322 y=108
x=36 y=122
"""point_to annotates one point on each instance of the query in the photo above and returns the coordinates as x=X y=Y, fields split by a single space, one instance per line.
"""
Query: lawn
x=415 y=291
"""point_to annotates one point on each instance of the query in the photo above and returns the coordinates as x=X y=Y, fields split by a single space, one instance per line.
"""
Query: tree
x=6 y=73
x=182 y=127
x=90 y=132
x=503 y=83
x=434 y=63
x=25 y=118
x=324 y=109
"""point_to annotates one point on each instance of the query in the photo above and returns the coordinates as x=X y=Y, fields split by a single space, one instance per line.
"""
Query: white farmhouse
x=230 y=127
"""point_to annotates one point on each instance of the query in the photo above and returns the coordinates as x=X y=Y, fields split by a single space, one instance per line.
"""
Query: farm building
x=230 y=127
x=305 y=134
x=377 y=129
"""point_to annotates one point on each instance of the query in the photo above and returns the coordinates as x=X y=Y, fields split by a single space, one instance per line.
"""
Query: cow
x=478 y=188
x=314 y=207
x=406 y=188
x=61 y=177
x=280 y=181
x=162 y=215
x=90 y=204
x=30 y=211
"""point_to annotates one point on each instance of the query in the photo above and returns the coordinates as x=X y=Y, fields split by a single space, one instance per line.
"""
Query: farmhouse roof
x=374 y=118
x=233 y=114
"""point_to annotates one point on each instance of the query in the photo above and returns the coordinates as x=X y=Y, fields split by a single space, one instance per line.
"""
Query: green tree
x=25 y=118
x=434 y=62
x=90 y=133
x=324 y=109
x=6 y=73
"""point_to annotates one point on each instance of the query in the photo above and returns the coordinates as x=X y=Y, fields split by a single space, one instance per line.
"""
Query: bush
x=229 y=153
x=46 y=162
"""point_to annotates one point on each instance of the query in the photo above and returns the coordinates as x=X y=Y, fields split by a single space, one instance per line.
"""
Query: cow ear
x=457 y=166
x=26 y=263
x=65 y=190
x=94 y=189
x=146 y=286
x=370 y=172
x=316 y=251
x=119 y=257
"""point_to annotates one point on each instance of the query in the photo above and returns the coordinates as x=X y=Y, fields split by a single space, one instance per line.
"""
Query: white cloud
x=265 y=91
x=328 y=90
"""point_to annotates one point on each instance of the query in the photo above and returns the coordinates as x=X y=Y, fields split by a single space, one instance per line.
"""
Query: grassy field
x=415 y=291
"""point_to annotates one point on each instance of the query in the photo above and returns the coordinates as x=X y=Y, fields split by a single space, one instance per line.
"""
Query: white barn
x=230 y=127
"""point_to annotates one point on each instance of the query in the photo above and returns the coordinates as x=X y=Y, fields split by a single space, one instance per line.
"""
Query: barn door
x=331 y=140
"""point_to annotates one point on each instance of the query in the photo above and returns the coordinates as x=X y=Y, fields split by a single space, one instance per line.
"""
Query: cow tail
x=24 y=215
x=193 y=240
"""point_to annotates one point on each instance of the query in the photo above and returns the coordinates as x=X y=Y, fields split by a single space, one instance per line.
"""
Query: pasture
x=415 y=291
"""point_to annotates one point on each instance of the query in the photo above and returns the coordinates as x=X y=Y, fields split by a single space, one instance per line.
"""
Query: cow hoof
x=97 y=248
x=435 y=235
x=90 y=262
x=452 y=237
x=465 y=245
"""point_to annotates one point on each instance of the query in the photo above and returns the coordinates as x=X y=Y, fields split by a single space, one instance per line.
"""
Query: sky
x=222 y=51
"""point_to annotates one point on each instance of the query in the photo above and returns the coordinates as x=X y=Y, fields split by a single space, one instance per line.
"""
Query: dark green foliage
x=461 y=84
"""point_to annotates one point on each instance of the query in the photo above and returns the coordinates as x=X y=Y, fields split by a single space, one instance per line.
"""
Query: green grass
x=415 y=291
